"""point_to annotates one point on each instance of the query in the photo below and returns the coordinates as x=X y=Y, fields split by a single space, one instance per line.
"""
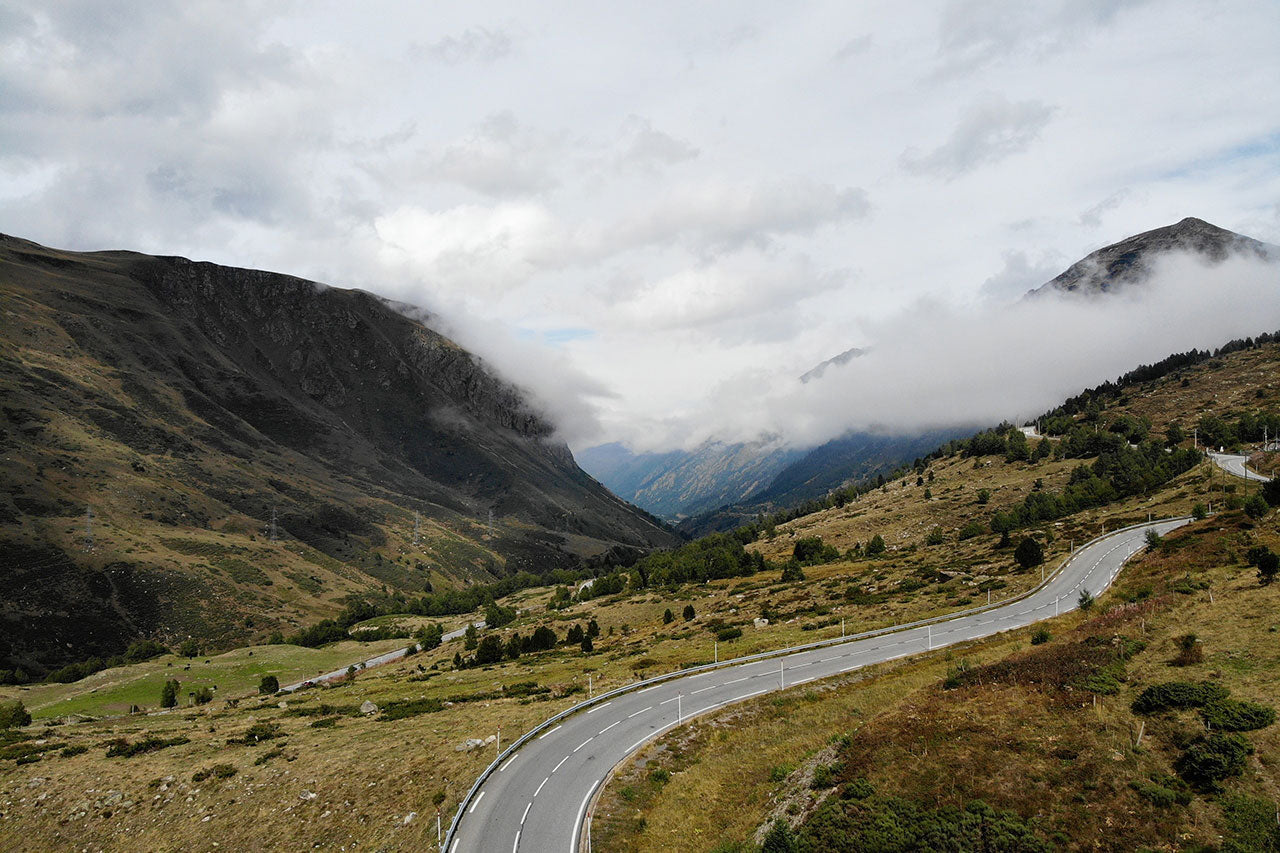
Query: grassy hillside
x=1021 y=733
x=196 y=450
x=370 y=773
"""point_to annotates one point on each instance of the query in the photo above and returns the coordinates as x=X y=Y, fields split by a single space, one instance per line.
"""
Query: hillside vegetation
x=1000 y=743
x=269 y=764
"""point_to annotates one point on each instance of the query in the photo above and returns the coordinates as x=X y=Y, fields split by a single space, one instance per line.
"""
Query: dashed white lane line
x=611 y=725
x=561 y=764
x=665 y=701
x=550 y=733
x=598 y=707
x=507 y=763
x=539 y=791
x=704 y=689
x=793 y=666
x=737 y=680
x=584 y=743
x=647 y=689
x=526 y=812
x=638 y=713
x=476 y=802
x=516 y=845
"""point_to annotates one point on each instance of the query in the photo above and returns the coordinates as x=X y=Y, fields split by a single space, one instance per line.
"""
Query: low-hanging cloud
x=939 y=365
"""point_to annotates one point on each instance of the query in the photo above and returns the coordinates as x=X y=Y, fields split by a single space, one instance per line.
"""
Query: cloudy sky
x=656 y=215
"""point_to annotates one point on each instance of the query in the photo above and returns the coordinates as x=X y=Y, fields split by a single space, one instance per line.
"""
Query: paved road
x=537 y=798
x=1236 y=465
x=394 y=654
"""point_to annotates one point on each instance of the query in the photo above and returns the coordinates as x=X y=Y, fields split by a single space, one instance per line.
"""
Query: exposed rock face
x=191 y=404
x=1129 y=261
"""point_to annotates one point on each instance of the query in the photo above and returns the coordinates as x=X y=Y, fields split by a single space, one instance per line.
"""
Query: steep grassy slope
x=194 y=449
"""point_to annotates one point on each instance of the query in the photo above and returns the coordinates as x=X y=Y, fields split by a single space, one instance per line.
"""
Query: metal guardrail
x=451 y=836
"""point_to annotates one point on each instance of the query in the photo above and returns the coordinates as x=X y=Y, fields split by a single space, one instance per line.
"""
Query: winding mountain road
x=1233 y=464
x=536 y=795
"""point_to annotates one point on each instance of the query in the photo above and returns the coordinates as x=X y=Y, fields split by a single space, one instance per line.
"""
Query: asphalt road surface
x=394 y=654
x=1235 y=465
x=537 y=798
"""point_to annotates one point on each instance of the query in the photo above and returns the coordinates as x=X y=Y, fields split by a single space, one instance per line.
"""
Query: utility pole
x=841 y=627
x=88 y=527
x=930 y=630
x=782 y=673
x=499 y=744
x=1055 y=605
x=590 y=692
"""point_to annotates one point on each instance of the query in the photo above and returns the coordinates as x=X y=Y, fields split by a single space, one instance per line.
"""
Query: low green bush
x=1177 y=695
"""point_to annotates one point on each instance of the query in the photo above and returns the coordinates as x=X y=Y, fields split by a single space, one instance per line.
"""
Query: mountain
x=1129 y=261
x=809 y=474
x=682 y=483
x=192 y=449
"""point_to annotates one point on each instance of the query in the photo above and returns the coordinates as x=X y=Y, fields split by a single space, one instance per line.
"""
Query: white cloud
x=991 y=129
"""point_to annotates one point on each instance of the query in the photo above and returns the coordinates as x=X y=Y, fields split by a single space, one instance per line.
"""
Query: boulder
x=368 y=708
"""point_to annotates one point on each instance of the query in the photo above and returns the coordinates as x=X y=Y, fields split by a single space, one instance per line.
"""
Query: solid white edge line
x=577 y=823
x=476 y=801
x=507 y=763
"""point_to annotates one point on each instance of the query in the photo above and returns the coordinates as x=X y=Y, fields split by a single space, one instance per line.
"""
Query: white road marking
x=611 y=725
x=507 y=763
x=558 y=766
x=548 y=734
x=598 y=707
x=516 y=846
x=647 y=689
x=737 y=680
x=665 y=701
x=584 y=743
x=638 y=713
x=539 y=791
x=526 y=812
x=577 y=822
x=704 y=689
x=476 y=801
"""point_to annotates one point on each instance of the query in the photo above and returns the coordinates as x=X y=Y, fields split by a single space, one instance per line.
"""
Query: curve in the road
x=1237 y=465
x=535 y=796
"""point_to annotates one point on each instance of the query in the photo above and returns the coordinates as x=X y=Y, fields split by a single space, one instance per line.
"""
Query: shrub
x=1212 y=758
x=1256 y=506
x=876 y=546
x=1085 y=601
x=984 y=496
x=268 y=685
x=169 y=693
x=935 y=537
x=1266 y=561
x=203 y=696
x=1189 y=651
x=217 y=771
x=1041 y=636
x=1154 y=539
x=971 y=529
x=13 y=714
x=689 y=612
x=779 y=839
x=1177 y=695
x=190 y=648
x=1234 y=715
x=121 y=748
x=1029 y=553
x=728 y=633
x=668 y=617
x=1199 y=512
x=792 y=572
x=822 y=777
